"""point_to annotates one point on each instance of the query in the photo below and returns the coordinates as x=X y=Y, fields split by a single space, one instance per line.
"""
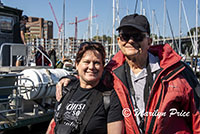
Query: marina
x=27 y=93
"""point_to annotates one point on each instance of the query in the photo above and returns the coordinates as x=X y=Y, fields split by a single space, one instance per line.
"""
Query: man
x=157 y=91
x=23 y=21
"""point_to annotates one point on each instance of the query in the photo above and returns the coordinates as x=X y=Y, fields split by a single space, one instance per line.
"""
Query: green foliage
x=156 y=36
x=193 y=31
x=104 y=38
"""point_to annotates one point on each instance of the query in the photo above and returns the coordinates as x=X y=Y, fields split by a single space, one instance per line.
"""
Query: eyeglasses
x=137 y=37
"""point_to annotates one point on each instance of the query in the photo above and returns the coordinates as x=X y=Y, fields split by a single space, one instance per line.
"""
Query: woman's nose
x=91 y=65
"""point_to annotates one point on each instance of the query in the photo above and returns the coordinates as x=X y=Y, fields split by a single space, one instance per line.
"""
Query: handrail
x=27 y=45
x=42 y=53
x=7 y=44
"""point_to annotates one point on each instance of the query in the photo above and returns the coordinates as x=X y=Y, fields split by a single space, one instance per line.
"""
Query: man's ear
x=118 y=39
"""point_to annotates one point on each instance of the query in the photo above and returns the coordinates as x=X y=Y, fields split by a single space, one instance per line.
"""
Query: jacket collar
x=166 y=54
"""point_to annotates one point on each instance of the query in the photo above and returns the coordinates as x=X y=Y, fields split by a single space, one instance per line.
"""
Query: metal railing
x=9 y=93
x=19 y=49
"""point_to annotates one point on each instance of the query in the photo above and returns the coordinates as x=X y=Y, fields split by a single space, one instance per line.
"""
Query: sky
x=104 y=9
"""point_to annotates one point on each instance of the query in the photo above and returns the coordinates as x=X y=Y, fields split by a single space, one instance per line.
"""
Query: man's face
x=24 y=21
x=133 y=43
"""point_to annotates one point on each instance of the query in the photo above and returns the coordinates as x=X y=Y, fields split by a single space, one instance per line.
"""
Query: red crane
x=76 y=24
x=59 y=27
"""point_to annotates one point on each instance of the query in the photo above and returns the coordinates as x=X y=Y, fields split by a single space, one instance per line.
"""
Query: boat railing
x=8 y=50
x=10 y=106
x=15 y=49
x=43 y=55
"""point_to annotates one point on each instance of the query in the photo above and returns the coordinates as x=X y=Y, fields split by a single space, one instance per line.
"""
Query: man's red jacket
x=171 y=106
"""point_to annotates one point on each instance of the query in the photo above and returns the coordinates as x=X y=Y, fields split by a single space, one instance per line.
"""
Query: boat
x=27 y=93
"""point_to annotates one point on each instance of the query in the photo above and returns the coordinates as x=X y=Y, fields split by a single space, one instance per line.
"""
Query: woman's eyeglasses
x=137 y=37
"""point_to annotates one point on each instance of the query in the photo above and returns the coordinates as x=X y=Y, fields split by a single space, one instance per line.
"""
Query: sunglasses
x=137 y=37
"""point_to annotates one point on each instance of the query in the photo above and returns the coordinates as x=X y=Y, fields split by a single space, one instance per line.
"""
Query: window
x=6 y=24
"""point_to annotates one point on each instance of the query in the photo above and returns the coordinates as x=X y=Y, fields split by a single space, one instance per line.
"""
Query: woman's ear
x=76 y=65
x=149 y=41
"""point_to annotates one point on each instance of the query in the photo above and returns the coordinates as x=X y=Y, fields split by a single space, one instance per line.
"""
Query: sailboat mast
x=152 y=26
x=192 y=41
x=117 y=7
x=196 y=42
x=113 y=32
x=91 y=19
x=180 y=9
x=141 y=5
x=164 y=21
x=63 y=30
x=89 y=23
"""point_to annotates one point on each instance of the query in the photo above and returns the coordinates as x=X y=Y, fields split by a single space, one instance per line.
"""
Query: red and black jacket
x=173 y=89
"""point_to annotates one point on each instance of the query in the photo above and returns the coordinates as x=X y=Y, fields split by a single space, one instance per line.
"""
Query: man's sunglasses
x=137 y=37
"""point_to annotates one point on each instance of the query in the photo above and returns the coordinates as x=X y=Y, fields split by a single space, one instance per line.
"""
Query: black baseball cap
x=24 y=17
x=139 y=22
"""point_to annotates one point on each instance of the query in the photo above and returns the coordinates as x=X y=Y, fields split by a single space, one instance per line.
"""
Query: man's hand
x=62 y=83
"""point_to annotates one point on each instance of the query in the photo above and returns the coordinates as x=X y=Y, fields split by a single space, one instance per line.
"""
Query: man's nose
x=131 y=40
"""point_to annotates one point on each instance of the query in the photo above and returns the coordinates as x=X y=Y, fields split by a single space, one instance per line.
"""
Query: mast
x=141 y=5
x=153 y=34
x=97 y=32
x=89 y=23
x=127 y=11
x=164 y=22
x=117 y=7
x=91 y=19
x=148 y=5
x=113 y=32
x=76 y=28
x=157 y=26
x=180 y=8
x=136 y=6
x=63 y=30
x=192 y=41
x=196 y=41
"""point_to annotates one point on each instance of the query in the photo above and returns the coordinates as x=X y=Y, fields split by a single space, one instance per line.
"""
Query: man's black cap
x=139 y=22
x=24 y=17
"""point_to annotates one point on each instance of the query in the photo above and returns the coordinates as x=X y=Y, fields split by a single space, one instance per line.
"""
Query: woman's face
x=90 y=69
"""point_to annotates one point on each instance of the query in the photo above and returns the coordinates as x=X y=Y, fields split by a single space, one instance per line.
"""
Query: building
x=39 y=28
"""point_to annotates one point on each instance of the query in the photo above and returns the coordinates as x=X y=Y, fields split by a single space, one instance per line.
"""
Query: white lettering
x=73 y=106
x=174 y=111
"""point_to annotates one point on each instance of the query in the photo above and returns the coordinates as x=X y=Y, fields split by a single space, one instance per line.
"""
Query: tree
x=97 y=38
x=193 y=31
x=156 y=36
x=104 y=38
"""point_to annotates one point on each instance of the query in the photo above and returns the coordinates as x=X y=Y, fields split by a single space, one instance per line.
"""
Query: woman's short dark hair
x=85 y=46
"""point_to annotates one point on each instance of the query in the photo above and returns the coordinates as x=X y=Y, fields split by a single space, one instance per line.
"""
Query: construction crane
x=76 y=24
x=59 y=26
x=61 y=36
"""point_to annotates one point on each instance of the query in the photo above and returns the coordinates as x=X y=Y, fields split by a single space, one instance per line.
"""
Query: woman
x=90 y=61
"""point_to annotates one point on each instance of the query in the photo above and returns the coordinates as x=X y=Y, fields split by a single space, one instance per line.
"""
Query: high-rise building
x=39 y=28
